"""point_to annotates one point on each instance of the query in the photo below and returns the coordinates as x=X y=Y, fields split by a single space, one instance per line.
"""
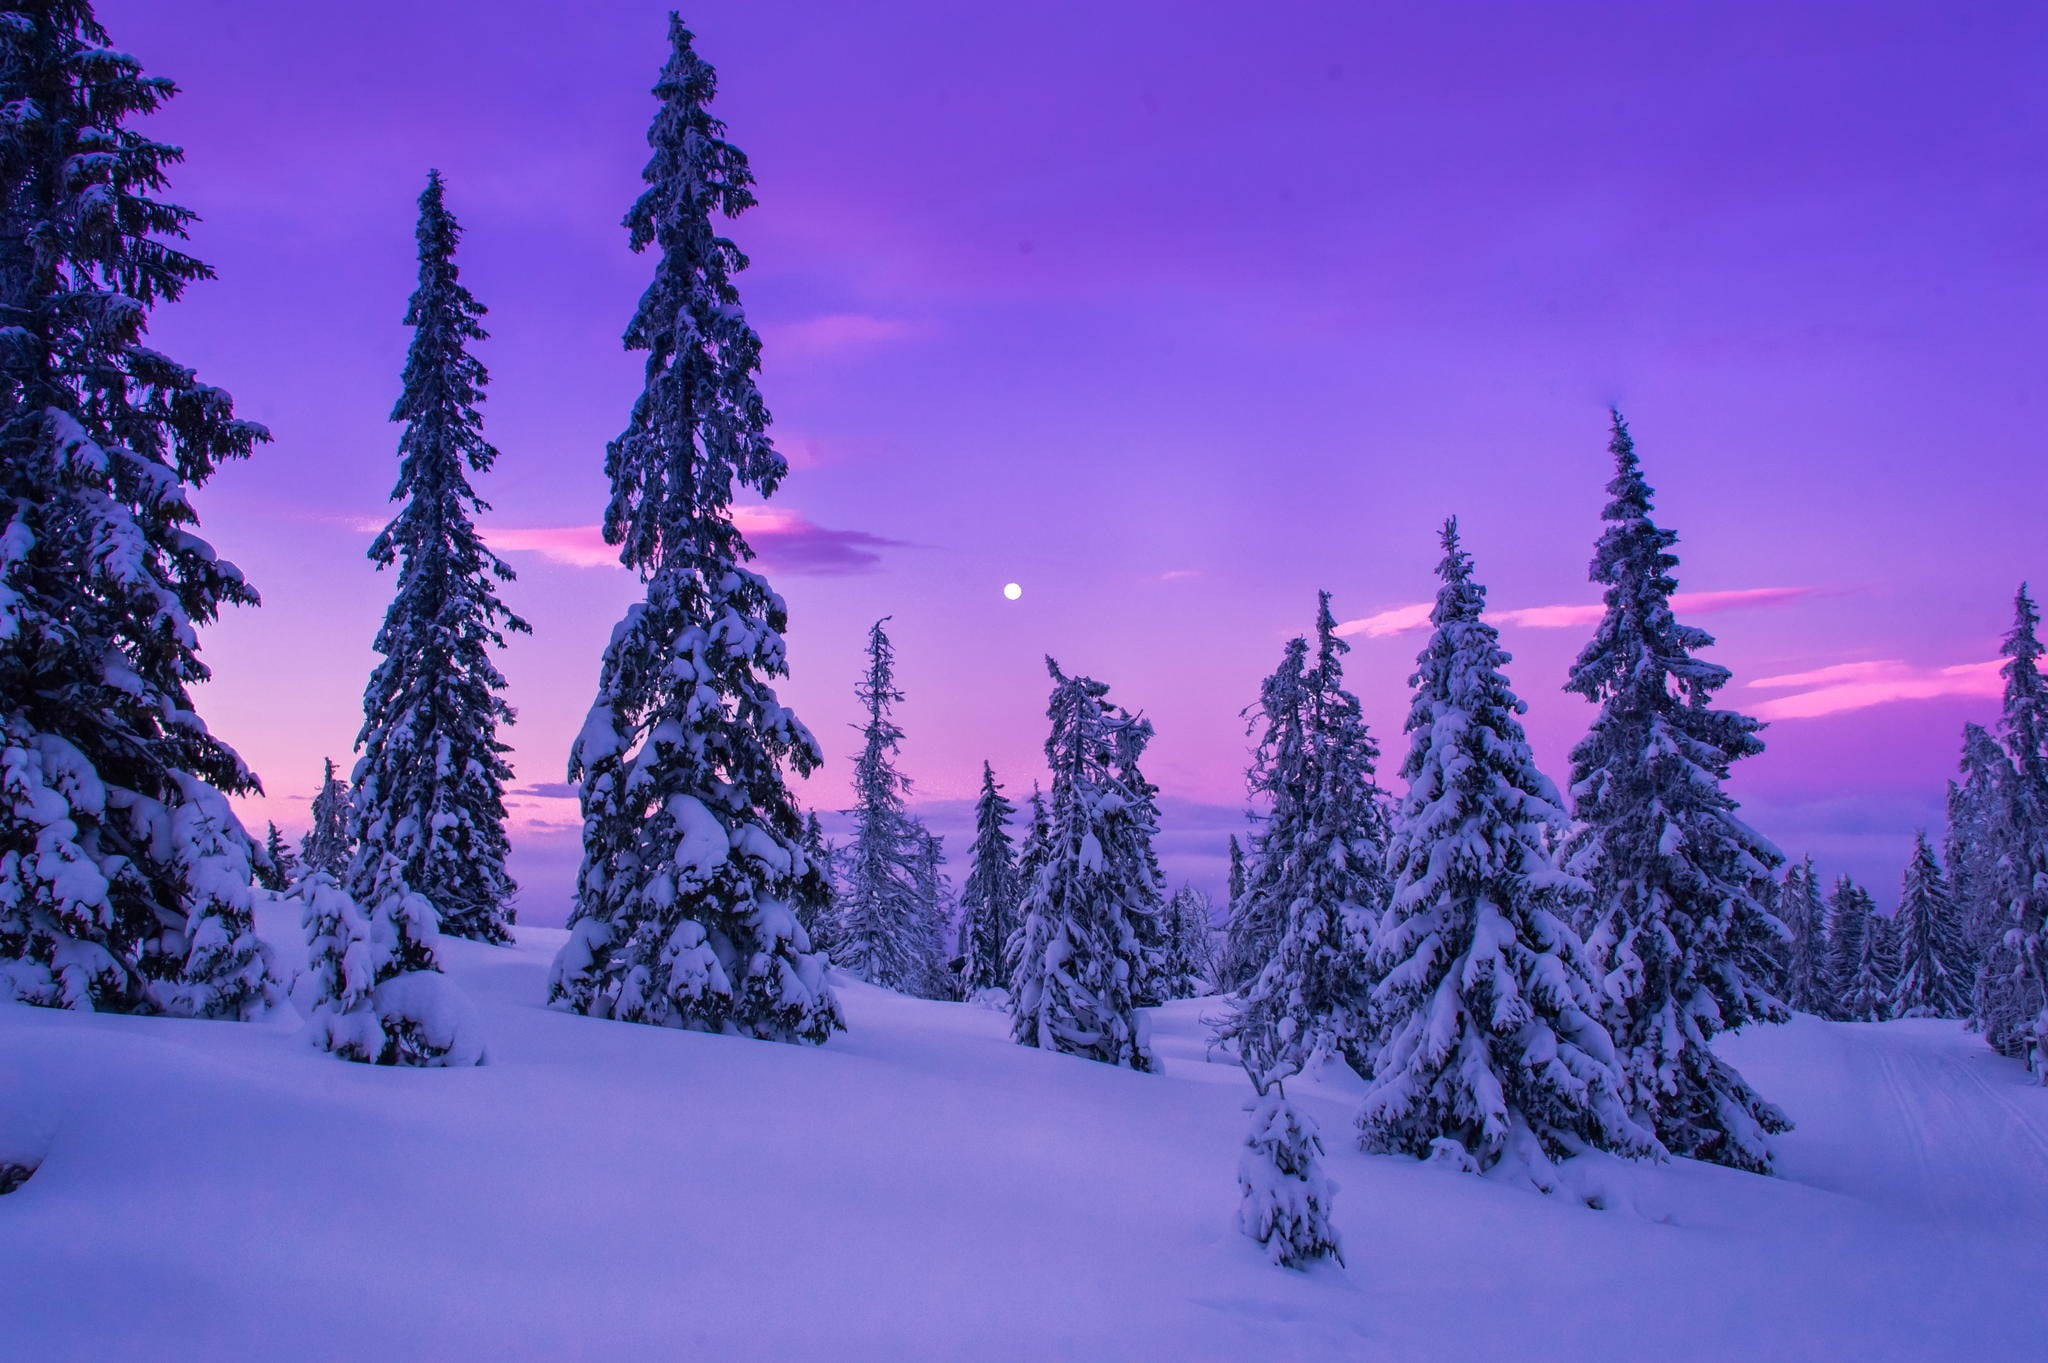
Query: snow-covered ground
x=921 y=1188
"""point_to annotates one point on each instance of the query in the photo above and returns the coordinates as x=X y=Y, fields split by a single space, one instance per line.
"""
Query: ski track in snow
x=922 y=1188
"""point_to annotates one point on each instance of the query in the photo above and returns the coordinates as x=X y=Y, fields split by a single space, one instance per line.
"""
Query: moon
x=1012 y=591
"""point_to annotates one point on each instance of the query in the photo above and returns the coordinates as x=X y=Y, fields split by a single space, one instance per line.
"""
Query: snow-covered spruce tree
x=988 y=900
x=1886 y=943
x=2014 y=1005
x=1322 y=857
x=1809 y=985
x=1234 y=886
x=887 y=909
x=1934 y=981
x=1032 y=855
x=685 y=910
x=1284 y=1199
x=1190 y=952
x=124 y=875
x=935 y=892
x=326 y=846
x=1491 y=1055
x=1973 y=848
x=1141 y=816
x=1854 y=954
x=378 y=994
x=1037 y=844
x=1678 y=926
x=277 y=866
x=1257 y=909
x=1974 y=845
x=429 y=800
x=817 y=903
x=1074 y=960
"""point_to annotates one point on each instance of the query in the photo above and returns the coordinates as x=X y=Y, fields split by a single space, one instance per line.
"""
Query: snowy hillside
x=922 y=1188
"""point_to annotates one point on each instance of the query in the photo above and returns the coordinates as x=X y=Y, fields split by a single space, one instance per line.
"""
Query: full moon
x=1012 y=591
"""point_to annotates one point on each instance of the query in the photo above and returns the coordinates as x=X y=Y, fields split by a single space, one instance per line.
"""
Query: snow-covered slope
x=923 y=1189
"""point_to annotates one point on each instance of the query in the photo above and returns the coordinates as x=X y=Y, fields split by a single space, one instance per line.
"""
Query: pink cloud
x=1858 y=686
x=835 y=333
x=1180 y=574
x=1395 y=620
x=578 y=546
x=1403 y=619
x=783 y=541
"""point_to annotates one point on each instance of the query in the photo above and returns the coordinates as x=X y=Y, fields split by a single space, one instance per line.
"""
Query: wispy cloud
x=547 y=790
x=783 y=541
x=1393 y=620
x=1180 y=574
x=578 y=546
x=1858 y=686
x=834 y=334
x=1403 y=619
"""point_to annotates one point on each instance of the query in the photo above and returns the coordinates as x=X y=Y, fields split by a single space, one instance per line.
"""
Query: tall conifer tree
x=1854 y=956
x=2014 y=1002
x=1677 y=921
x=274 y=869
x=1257 y=908
x=817 y=904
x=1808 y=980
x=326 y=846
x=685 y=908
x=888 y=907
x=1074 y=979
x=124 y=875
x=428 y=813
x=1973 y=847
x=1141 y=818
x=1492 y=1055
x=989 y=899
x=1322 y=858
x=1934 y=981
x=1235 y=885
x=1190 y=949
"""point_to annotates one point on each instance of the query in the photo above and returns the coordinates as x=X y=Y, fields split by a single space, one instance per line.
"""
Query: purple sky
x=1172 y=313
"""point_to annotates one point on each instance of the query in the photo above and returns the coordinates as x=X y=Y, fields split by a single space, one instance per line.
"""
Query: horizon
x=1021 y=330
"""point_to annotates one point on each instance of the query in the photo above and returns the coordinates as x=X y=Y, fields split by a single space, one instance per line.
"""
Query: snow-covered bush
x=1284 y=1199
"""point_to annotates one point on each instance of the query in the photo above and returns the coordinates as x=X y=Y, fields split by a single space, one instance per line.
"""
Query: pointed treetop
x=671 y=499
x=1329 y=646
x=1628 y=481
x=1629 y=511
x=2026 y=697
x=1459 y=598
